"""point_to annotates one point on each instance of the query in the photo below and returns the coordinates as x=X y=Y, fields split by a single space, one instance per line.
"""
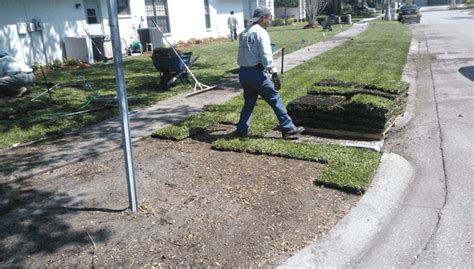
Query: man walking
x=233 y=25
x=256 y=64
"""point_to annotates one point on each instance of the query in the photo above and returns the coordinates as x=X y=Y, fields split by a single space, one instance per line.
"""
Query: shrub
x=320 y=19
x=279 y=22
x=36 y=67
x=194 y=41
x=347 y=9
x=290 y=21
x=180 y=43
x=55 y=64
x=72 y=61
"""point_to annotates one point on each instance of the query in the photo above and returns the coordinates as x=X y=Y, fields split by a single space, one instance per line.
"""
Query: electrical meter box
x=22 y=28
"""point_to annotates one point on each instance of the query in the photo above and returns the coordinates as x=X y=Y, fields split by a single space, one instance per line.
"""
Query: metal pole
x=282 y=59
x=122 y=98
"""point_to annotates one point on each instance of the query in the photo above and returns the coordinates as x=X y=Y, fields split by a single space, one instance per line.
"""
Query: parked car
x=364 y=10
x=408 y=10
x=409 y=14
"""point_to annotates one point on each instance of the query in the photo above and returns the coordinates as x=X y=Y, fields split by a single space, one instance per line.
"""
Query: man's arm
x=266 y=56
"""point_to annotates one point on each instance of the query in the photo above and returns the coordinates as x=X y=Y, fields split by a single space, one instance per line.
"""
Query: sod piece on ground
x=349 y=106
x=348 y=169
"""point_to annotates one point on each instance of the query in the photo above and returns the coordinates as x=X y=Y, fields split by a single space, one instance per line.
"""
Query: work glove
x=276 y=81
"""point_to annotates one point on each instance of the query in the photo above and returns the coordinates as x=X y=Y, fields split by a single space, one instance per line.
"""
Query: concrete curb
x=354 y=234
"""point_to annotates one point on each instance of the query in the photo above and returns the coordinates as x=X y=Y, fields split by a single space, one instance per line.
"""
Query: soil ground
x=197 y=207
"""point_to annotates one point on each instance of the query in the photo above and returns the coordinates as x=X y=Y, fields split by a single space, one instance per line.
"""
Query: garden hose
x=46 y=116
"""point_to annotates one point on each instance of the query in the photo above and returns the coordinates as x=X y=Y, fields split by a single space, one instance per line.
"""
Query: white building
x=297 y=13
x=40 y=31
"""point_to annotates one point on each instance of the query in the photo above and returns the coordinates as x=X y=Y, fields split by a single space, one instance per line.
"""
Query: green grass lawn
x=24 y=120
x=376 y=57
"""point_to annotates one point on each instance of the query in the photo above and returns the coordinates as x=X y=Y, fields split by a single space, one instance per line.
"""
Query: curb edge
x=353 y=236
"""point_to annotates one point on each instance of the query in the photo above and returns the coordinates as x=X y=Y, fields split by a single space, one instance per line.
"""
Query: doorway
x=93 y=17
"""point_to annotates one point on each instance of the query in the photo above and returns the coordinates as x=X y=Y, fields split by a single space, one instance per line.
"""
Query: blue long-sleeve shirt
x=255 y=48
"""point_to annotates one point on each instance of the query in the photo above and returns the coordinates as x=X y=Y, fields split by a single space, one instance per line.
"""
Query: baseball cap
x=3 y=53
x=258 y=13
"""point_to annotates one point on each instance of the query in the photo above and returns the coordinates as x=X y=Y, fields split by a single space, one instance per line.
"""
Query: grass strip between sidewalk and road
x=376 y=56
x=347 y=168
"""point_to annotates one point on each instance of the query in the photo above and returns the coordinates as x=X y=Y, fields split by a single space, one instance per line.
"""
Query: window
x=123 y=7
x=207 y=14
x=92 y=16
x=157 y=11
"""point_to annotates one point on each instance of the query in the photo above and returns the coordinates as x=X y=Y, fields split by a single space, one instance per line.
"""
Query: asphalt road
x=435 y=225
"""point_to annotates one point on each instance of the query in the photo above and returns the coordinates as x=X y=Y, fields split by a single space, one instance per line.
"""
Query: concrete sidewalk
x=35 y=158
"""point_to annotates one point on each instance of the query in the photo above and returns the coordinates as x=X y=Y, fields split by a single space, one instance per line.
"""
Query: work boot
x=240 y=135
x=22 y=91
x=291 y=134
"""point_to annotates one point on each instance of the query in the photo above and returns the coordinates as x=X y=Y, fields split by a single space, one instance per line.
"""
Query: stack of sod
x=349 y=106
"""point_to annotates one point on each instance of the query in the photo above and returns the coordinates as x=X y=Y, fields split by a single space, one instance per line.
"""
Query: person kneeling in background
x=14 y=76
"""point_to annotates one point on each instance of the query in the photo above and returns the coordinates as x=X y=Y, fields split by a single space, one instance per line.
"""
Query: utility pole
x=388 y=12
x=123 y=103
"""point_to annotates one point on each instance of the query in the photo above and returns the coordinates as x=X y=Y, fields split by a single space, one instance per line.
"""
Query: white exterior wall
x=60 y=19
x=67 y=18
x=128 y=24
x=220 y=11
x=187 y=18
x=296 y=13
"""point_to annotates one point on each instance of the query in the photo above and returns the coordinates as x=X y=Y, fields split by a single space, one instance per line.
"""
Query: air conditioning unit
x=79 y=48
x=150 y=38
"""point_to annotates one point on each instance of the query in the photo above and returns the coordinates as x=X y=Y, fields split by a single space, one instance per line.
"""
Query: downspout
x=19 y=36
x=44 y=47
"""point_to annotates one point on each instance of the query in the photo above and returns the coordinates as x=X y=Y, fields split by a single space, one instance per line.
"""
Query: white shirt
x=232 y=22
x=10 y=66
x=255 y=48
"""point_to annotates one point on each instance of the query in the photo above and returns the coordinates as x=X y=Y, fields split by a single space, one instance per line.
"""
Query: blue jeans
x=255 y=83
x=10 y=85
x=233 y=34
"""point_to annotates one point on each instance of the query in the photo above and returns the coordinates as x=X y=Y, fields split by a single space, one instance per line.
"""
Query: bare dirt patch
x=198 y=207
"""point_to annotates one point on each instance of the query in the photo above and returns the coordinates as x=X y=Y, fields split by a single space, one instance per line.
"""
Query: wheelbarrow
x=172 y=68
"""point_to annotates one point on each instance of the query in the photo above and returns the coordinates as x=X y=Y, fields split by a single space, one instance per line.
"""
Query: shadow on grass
x=213 y=133
x=35 y=222
x=334 y=186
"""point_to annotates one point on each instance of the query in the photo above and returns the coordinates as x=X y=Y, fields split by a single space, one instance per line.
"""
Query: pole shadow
x=468 y=72
x=36 y=222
